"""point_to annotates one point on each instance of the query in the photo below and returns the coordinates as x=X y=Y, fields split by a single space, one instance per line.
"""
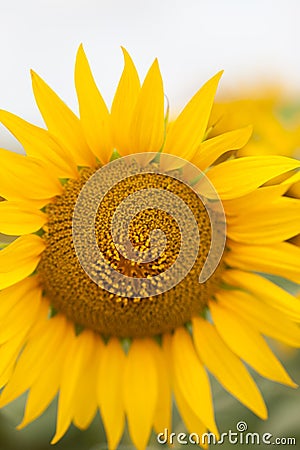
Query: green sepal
x=78 y=329
x=115 y=155
x=52 y=312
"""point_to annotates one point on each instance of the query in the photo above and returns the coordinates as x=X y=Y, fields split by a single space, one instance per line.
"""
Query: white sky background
x=193 y=39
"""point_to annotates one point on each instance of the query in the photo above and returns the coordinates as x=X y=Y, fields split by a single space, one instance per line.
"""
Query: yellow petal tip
x=127 y=58
x=218 y=75
x=80 y=51
x=21 y=425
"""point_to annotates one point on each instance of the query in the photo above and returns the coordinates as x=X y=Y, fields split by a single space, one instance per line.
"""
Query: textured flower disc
x=72 y=292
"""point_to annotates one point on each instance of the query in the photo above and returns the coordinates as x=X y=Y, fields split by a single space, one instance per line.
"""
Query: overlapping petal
x=94 y=114
x=62 y=122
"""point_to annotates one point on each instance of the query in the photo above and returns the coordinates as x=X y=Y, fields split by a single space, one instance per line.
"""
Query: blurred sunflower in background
x=61 y=333
x=275 y=117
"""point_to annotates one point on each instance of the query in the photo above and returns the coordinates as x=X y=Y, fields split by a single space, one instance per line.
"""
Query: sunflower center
x=138 y=306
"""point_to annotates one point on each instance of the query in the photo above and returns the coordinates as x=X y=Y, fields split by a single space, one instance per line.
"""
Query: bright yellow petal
x=279 y=259
x=163 y=413
x=255 y=200
x=39 y=351
x=248 y=344
x=191 y=379
x=17 y=328
x=9 y=368
x=275 y=222
x=23 y=177
x=94 y=115
x=190 y=419
x=17 y=218
x=266 y=291
x=226 y=366
x=147 y=127
x=11 y=296
x=62 y=122
x=79 y=355
x=124 y=104
x=295 y=189
x=19 y=259
x=240 y=176
x=110 y=391
x=39 y=144
x=9 y=353
x=85 y=403
x=21 y=316
x=260 y=316
x=210 y=150
x=188 y=131
x=140 y=391
x=45 y=387
x=20 y=250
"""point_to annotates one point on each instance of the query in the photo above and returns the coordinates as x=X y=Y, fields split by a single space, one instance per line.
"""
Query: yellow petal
x=62 y=122
x=7 y=372
x=240 y=176
x=9 y=353
x=191 y=420
x=147 y=127
x=191 y=379
x=275 y=222
x=140 y=391
x=17 y=218
x=23 y=177
x=188 y=131
x=39 y=351
x=163 y=413
x=19 y=259
x=57 y=339
x=210 y=150
x=45 y=388
x=260 y=316
x=39 y=144
x=110 y=391
x=80 y=352
x=167 y=352
x=295 y=189
x=21 y=316
x=10 y=296
x=257 y=199
x=124 y=104
x=248 y=344
x=226 y=366
x=85 y=403
x=94 y=115
x=279 y=259
x=42 y=319
x=20 y=250
x=266 y=291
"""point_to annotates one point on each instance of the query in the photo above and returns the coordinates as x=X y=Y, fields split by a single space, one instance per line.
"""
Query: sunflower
x=274 y=116
x=276 y=125
x=61 y=333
